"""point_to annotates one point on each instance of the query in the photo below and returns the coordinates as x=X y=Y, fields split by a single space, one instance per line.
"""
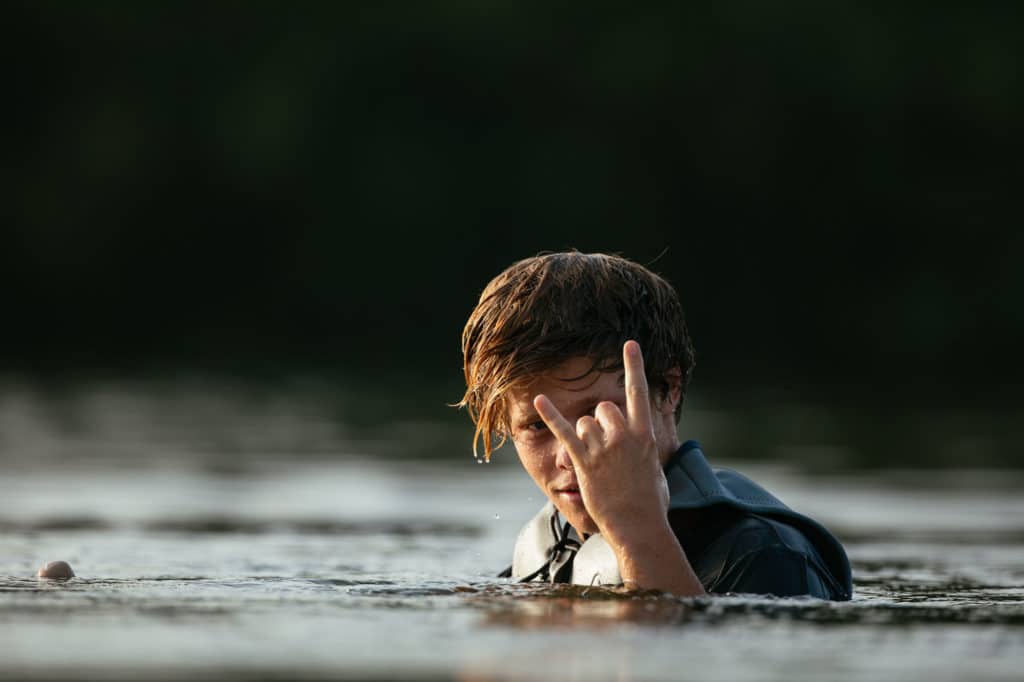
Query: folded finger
x=590 y=433
x=609 y=417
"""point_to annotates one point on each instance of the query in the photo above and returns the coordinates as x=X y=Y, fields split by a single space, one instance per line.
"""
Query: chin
x=582 y=522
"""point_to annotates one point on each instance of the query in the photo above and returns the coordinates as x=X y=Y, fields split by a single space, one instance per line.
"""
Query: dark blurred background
x=259 y=191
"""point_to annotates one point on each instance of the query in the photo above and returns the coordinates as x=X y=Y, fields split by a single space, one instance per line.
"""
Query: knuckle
x=645 y=436
x=582 y=425
x=637 y=391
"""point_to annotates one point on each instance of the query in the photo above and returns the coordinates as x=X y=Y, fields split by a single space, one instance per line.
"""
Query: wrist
x=638 y=530
x=637 y=541
x=653 y=559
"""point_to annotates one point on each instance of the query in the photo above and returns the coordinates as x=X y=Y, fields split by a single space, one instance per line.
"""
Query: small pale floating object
x=56 y=570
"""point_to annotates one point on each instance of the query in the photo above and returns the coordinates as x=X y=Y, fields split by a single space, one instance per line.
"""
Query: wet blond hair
x=544 y=310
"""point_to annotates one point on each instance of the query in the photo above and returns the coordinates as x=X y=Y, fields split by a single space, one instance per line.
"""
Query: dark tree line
x=252 y=187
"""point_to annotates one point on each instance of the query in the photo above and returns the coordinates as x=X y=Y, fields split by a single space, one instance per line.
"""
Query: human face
x=575 y=393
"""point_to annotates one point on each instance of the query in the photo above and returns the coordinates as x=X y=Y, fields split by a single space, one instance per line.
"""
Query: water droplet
x=497 y=517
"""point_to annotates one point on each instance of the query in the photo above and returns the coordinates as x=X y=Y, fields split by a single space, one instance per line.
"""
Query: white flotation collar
x=548 y=548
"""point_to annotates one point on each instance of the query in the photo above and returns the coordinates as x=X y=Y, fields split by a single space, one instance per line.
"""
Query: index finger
x=638 y=399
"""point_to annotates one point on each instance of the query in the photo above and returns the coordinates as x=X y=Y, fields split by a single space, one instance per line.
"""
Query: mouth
x=569 y=492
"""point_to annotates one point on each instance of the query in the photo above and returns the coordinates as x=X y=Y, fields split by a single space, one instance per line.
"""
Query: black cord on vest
x=563 y=543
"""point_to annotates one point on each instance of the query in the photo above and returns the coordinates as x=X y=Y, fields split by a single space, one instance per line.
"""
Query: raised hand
x=615 y=455
x=616 y=461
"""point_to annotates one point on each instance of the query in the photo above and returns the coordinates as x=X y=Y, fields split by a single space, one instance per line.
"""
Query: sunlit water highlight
x=384 y=570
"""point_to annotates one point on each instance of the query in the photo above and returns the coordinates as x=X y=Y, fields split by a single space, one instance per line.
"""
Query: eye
x=532 y=431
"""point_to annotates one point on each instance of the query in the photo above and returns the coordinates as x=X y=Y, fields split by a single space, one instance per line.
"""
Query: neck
x=668 y=444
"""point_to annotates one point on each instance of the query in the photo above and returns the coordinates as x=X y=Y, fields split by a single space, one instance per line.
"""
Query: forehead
x=570 y=380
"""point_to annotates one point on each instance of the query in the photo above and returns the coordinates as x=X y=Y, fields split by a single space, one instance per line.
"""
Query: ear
x=673 y=391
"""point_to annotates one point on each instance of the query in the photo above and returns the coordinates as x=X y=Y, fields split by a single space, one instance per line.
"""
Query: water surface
x=384 y=569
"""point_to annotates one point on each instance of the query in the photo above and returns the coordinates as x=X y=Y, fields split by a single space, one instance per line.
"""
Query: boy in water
x=583 y=361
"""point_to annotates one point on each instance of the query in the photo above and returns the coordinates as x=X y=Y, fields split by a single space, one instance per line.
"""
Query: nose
x=562 y=459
